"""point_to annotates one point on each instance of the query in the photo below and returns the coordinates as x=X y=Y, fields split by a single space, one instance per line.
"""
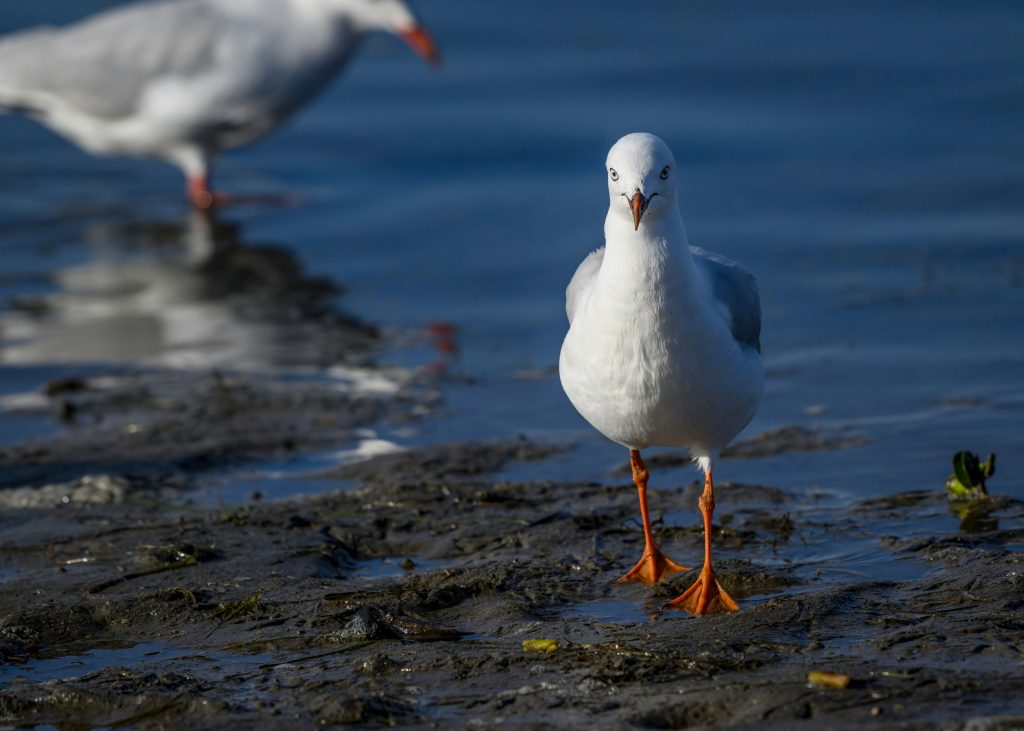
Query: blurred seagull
x=663 y=345
x=181 y=80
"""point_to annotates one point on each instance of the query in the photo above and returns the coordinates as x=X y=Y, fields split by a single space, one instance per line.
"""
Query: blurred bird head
x=393 y=16
x=641 y=178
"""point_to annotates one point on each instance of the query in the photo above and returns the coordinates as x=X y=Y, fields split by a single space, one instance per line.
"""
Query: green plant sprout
x=969 y=474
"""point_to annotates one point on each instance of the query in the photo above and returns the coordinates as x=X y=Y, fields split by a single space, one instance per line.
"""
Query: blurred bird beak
x=420 y=40
x=639 y=205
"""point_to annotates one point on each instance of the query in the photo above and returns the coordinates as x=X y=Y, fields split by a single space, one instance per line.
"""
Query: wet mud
x=167 y=426
x=404 y=597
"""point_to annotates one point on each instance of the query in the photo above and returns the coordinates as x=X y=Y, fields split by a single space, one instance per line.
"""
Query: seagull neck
x=656 y=255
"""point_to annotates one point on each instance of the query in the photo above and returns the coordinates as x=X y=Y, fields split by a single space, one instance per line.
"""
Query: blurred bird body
x=181 y=80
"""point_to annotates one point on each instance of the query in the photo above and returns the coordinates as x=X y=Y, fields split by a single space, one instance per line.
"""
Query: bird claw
x=705 y=596
x=205 y=199
x=213 y=200
x=651 y=567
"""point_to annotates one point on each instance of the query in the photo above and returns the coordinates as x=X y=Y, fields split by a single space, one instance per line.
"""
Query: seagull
x=663 y=347
x=181 y=80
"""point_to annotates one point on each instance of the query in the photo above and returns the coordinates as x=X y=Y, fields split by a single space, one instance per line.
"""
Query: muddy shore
x=188 y=539
x=402 y=595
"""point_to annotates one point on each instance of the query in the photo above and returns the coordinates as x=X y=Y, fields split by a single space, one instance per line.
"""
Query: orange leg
x=202 y=197
x=198 y=190
x=706 y=596
x=652 y=565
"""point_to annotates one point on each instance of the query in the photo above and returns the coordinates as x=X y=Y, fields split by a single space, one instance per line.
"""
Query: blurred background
x=864 y=159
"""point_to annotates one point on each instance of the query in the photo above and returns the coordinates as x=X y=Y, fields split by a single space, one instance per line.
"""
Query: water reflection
x=978 y=516
x=187 y=293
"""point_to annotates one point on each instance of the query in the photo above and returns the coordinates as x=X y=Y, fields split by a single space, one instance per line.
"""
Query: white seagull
x=181 y=80
x=663 y=347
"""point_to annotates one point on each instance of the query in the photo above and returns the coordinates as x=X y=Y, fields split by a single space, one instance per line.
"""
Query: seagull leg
x=203 y=198
x=706 y=596
x=198 y=190
x=653 y=564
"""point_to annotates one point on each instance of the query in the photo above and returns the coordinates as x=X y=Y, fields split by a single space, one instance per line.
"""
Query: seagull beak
x=639 y=205
x=420 y=40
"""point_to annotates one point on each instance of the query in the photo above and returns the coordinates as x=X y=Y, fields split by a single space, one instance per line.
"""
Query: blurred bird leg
x=198 y=191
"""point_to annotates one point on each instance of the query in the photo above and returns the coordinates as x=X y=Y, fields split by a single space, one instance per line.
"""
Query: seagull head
x=641 y=178
x=392 y=16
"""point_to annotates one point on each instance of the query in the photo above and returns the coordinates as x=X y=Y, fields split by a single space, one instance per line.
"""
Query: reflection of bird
x=191 y=295
x=181 y=80
x=664 y=343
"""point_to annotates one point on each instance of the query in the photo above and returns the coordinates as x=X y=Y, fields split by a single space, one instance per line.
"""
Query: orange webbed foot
x=705 y=596
x=651 y=567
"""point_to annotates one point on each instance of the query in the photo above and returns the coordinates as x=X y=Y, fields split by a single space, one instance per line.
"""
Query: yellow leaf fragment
x=828 y=680
x=540 y=645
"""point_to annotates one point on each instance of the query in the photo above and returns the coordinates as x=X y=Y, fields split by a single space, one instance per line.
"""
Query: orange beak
x=639 y=205
x=420 y=40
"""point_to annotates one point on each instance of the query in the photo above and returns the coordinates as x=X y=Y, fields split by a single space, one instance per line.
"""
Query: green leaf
x=988 y=467
x=540 y=645
x=965 y=466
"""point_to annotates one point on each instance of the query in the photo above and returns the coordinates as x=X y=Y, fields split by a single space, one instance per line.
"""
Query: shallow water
x=863 y=159
x=145 y=656
x=389 y=568
x=826 y=547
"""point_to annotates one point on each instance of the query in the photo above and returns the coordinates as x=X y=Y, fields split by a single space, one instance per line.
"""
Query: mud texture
x=404 y=601
x=166 y=426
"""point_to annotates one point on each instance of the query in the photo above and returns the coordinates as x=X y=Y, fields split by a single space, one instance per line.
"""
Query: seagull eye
x=664 y=173
x=614 y=175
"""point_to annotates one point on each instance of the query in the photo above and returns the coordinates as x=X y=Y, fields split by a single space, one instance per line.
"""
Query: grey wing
x=102 y=65
x=581 y=281
x=736 y=289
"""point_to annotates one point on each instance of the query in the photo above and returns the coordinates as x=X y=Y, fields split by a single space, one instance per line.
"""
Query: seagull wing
x=103 y=65
x=735 y=289
x=582 y=281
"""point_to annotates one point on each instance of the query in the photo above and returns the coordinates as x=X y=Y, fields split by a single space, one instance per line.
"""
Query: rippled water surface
x=864 y=159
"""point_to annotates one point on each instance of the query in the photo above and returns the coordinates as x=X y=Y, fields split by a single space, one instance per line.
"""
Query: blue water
x=141 y=656
x=864 y=159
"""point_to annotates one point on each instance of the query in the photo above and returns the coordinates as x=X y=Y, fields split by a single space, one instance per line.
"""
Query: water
x=863 y=159
x=828 y=546
x=390 y=568
x=141 y=657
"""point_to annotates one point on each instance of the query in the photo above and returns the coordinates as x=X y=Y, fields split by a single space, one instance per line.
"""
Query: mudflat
x=403 y=592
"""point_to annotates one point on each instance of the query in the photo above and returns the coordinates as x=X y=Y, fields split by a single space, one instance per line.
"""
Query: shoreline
x=405 y=600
